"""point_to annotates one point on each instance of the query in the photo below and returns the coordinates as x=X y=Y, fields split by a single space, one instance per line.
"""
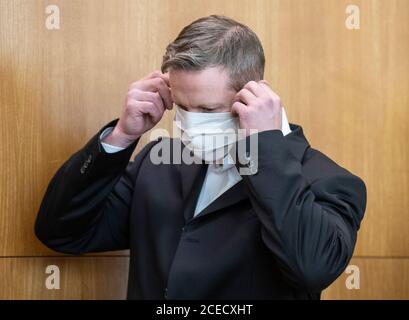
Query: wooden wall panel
x=380 y=278
x=80 y=278
x=348 y=89
x=105 y=278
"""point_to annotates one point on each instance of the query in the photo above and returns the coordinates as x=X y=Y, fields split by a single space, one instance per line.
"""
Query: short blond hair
x=217 y=41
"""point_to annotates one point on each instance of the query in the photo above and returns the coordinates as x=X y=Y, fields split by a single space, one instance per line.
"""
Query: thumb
x=238 y=108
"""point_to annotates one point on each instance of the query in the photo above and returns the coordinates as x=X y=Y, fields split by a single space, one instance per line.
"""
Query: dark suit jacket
x=286 y=232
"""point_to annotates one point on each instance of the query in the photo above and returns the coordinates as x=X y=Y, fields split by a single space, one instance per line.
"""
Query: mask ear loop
x=178 y=129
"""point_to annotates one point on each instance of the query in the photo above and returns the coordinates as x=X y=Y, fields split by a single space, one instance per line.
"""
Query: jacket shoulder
x=325 y=175
x=318 y=165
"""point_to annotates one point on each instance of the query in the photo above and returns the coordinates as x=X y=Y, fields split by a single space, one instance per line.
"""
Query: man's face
x=201 y=91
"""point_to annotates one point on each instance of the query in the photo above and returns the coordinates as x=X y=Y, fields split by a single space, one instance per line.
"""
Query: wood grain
x=106 y=278
x=348 y=89
x=380 y=279
x=80 y=278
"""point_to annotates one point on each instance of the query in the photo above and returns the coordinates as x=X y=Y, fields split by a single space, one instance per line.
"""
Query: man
x=206 y=230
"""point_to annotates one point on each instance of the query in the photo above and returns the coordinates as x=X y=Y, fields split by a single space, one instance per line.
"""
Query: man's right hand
x=145 y=105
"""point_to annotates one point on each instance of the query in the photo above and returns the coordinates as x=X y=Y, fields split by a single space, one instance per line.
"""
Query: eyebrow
x=203 y=106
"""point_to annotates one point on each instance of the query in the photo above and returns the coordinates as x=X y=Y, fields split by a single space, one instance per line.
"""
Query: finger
x=159 y=74
x=275 y=97
x=158 y=103
x=148 y=108
x=238 y=108
x=153 y=74
x=265 y=82
x=165 y=77
x=255 y=88
x=245 y=96
x=158 y=85
x=267 y=88
x=166 y=95
x=154 y=97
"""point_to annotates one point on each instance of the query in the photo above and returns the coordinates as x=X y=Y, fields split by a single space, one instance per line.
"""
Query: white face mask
x=209 y=135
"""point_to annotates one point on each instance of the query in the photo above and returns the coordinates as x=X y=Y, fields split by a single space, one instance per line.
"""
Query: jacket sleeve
x=310 y=226
x=87 y=203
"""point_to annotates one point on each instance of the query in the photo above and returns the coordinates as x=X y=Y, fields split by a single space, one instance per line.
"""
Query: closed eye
x=204 y=109
x=180 y=106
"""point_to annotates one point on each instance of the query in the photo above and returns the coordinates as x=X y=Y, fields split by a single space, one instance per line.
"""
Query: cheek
x=226 y=109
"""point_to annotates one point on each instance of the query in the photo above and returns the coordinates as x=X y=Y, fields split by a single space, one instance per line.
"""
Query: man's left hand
x=258 y=107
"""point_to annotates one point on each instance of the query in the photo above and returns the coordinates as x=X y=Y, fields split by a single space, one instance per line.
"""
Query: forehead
x=198 y=85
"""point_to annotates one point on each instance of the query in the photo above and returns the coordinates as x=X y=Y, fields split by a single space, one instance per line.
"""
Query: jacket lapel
x=297 y=142
x=235 y=194
x=193 y=175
